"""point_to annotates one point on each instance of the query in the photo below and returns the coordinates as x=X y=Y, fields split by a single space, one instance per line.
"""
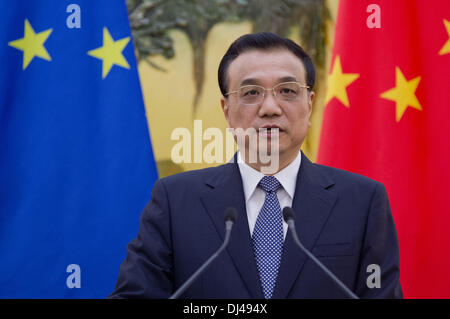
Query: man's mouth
x=270 y=131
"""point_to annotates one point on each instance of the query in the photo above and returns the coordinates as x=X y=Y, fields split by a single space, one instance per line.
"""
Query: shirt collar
x=251 y=177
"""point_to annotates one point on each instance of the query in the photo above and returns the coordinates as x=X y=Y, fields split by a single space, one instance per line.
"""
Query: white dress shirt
x=255 y=196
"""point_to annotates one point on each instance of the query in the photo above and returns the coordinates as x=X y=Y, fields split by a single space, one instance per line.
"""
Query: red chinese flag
x=387 y=116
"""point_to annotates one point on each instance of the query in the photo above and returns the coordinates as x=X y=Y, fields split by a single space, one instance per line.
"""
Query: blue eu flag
x=76 y=162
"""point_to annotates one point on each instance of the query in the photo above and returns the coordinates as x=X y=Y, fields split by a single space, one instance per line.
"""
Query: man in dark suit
x=343 y=218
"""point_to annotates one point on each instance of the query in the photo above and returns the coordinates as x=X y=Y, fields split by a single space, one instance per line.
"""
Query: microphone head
x=288 y=213
x=231 y=214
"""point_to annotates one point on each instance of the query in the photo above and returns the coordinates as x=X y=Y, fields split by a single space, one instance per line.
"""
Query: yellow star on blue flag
x=32 y=44
x=111 y=52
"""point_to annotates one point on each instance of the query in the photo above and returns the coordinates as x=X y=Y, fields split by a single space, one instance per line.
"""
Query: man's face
x=267 y=69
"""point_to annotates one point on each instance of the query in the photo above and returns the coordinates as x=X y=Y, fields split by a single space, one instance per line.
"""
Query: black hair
x=263 y=41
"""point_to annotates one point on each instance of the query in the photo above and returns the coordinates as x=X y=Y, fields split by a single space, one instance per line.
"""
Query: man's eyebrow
x=287 y=79
x=252 y=81
x=249 y=81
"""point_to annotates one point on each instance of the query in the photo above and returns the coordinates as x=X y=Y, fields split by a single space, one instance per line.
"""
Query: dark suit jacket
x=343 y=218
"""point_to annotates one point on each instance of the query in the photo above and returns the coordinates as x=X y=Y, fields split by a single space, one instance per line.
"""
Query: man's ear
x=224 y=104
x=310 y=101
x=311 y=96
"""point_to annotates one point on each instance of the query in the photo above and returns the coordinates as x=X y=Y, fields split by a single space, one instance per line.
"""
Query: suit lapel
x=312 y=205
x=224 y=190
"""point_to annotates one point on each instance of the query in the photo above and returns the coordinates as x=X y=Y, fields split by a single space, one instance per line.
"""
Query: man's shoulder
x=350 y=186
x=341 y=176
x=195 y=176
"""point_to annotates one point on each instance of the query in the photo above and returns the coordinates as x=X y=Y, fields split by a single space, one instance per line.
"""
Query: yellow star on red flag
x=446 y=48
x=338 y=82
x=403 y=94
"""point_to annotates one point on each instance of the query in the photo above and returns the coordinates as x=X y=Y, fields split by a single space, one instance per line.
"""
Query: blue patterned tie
x=268 y=236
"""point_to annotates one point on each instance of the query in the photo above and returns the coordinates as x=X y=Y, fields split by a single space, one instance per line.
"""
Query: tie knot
x=269 y=184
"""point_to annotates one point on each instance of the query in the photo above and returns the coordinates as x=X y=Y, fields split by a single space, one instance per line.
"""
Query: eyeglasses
x=283 y=92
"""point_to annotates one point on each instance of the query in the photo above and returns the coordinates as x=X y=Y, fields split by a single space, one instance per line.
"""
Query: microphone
x=288 y=216
x=230 y=219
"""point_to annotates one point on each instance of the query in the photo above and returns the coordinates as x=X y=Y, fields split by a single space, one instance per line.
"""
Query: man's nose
x=269 y=106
